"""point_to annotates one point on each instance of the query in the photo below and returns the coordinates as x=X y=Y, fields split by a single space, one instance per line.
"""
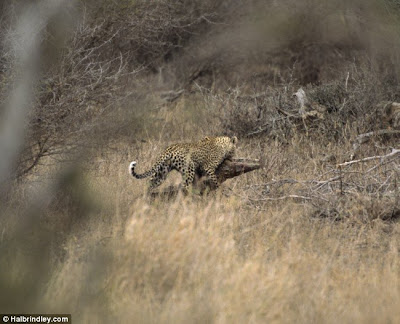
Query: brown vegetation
x=311 y=235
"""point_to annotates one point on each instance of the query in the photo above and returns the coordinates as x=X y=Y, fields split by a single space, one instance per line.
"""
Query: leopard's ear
x=234 y=139
x=205 y=139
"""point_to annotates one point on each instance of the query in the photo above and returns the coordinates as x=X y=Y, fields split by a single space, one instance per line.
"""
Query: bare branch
x=283 y=197
x=370 y=158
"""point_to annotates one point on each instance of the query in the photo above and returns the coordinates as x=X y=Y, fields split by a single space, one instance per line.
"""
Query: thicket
x=103 y=62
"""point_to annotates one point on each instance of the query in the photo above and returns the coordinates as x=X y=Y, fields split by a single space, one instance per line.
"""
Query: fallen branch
x=233 y=168
x=171 y=96
x=227 y=170
x=281 y=198
x=370 y=158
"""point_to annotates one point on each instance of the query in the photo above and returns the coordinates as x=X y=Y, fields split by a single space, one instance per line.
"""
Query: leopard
x=202 y=157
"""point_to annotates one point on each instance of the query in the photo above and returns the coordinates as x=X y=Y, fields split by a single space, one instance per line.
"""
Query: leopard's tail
x=136 y=175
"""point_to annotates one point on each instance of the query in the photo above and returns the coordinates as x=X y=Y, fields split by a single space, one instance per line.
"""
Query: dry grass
x=222 y=259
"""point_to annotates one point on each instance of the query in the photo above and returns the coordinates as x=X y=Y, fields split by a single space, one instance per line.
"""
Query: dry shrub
x=269 y=42
x=152 y=33
x=94 y=90
x=81 y=93
x=98 y=81
x=352 y=106
x=319 y=38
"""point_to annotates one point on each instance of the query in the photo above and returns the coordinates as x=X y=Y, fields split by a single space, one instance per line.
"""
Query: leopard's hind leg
x=159 y=176
x=188 y=173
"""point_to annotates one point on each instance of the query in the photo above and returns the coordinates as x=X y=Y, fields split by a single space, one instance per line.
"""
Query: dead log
x=202 y=184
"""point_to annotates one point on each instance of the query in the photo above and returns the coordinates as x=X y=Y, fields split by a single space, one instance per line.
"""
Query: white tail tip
x=132 y=166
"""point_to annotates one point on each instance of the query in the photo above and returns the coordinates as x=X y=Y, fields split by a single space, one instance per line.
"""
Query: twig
x=281 y=198
x=370 y=158
x=283 y=112
x=341 y=179
x=347 y=80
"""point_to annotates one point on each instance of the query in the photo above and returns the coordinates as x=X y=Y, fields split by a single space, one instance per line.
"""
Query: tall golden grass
x=218 y=259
